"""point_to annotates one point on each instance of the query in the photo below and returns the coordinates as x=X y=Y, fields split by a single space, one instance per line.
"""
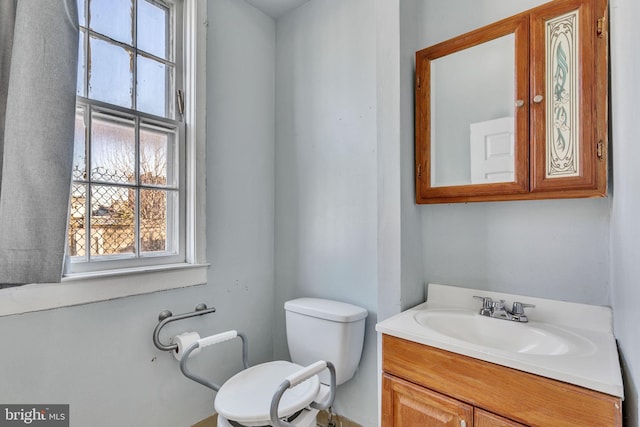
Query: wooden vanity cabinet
x=425 y=386
x=560 y=133
x=487 y=419
x=407 y=404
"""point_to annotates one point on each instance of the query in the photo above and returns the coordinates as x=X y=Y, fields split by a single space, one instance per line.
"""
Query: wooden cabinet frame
x=518 y=396
x=530 y=149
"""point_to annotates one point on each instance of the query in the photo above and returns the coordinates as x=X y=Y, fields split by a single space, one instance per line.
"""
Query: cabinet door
x=405 y=404
x=487 y=419
x=569 y=97
x=444 y=170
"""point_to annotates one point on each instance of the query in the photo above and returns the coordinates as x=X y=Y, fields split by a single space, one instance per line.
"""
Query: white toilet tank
x=321 y=329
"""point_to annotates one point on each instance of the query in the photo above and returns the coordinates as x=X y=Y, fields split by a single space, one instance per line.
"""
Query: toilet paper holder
x=166 y=316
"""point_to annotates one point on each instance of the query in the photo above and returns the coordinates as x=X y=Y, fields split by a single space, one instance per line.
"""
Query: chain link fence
x=112 y=228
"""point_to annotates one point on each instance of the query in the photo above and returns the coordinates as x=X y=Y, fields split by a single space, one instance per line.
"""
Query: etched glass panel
x=563 y=96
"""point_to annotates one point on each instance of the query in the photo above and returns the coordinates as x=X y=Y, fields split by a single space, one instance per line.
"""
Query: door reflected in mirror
x=472 y=108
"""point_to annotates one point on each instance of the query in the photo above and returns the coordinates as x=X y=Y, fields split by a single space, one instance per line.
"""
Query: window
x=128 y=201
x=168 y=188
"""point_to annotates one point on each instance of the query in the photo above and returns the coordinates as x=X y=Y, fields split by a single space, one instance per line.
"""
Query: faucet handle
x=487 y=305
x=518 y=307
x=486 y=301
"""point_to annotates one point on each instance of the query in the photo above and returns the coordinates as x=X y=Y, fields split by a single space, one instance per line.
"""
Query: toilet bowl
x=325 y=340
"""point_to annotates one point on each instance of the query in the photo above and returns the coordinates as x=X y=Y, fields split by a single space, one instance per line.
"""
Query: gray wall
x=99 y=357
x=554 y=249
x=548 y=249
x=326 y=160
x=240 y=172
x=625 y=204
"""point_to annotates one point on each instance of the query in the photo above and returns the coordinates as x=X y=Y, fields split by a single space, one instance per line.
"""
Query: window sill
x=86 y=288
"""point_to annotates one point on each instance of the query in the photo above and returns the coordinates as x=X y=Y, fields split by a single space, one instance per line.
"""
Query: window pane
x=77 y=238
x=112 y=220
x=152 y=29
x=110 y=73
x=81 y=19
x=154 y=79
x=113 y=19
x=79 y=147
x=155 y=208
x=157 y=156
x=112 y=150
x=81 y=65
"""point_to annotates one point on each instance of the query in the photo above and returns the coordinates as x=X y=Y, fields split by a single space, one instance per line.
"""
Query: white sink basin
x=524 y=338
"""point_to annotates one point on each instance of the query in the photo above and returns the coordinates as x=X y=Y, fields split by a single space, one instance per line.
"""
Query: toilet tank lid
x=326 y=309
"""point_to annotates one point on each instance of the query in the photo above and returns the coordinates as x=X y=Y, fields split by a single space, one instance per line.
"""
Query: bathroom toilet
x=317 y=330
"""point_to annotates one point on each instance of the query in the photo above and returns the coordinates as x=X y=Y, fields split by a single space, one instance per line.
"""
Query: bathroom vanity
x=444 y=364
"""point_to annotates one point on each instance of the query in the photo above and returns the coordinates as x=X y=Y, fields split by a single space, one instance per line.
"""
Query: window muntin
x=128 y=203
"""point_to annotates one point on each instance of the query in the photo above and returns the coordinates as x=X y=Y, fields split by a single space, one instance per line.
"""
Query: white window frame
x=172 y=122
x=82 y=288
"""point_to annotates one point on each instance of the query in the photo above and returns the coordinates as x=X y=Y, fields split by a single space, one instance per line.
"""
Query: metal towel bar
x=166 y=317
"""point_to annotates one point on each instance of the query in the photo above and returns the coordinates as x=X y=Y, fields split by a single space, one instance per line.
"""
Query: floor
x=323 y=421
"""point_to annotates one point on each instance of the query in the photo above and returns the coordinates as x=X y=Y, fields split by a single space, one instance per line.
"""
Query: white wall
x=552 y=249
x=100 y=358
x=389 y=129
x=548 y=249
x=326 y=177
x=625 y=206
x=412 y=242
x=240 y=170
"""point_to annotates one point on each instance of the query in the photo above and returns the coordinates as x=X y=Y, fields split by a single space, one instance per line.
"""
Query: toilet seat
x=246 y=397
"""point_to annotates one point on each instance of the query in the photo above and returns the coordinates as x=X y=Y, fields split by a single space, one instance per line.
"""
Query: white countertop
x=596 y=368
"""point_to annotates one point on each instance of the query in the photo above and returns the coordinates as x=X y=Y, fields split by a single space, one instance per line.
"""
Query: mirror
x=471 y=130
x=472 y=109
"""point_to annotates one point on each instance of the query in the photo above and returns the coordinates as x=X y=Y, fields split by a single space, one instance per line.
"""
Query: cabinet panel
x=568 y=96
x=406 y=404
x=487 y=419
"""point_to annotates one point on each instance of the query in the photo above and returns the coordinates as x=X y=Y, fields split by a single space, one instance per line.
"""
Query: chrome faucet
x=497 y=310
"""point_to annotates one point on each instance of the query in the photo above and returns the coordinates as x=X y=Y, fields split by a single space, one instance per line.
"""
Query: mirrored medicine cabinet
x=517 y=109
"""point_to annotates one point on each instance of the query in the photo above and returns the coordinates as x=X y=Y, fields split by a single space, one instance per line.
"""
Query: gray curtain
x=38 y=66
